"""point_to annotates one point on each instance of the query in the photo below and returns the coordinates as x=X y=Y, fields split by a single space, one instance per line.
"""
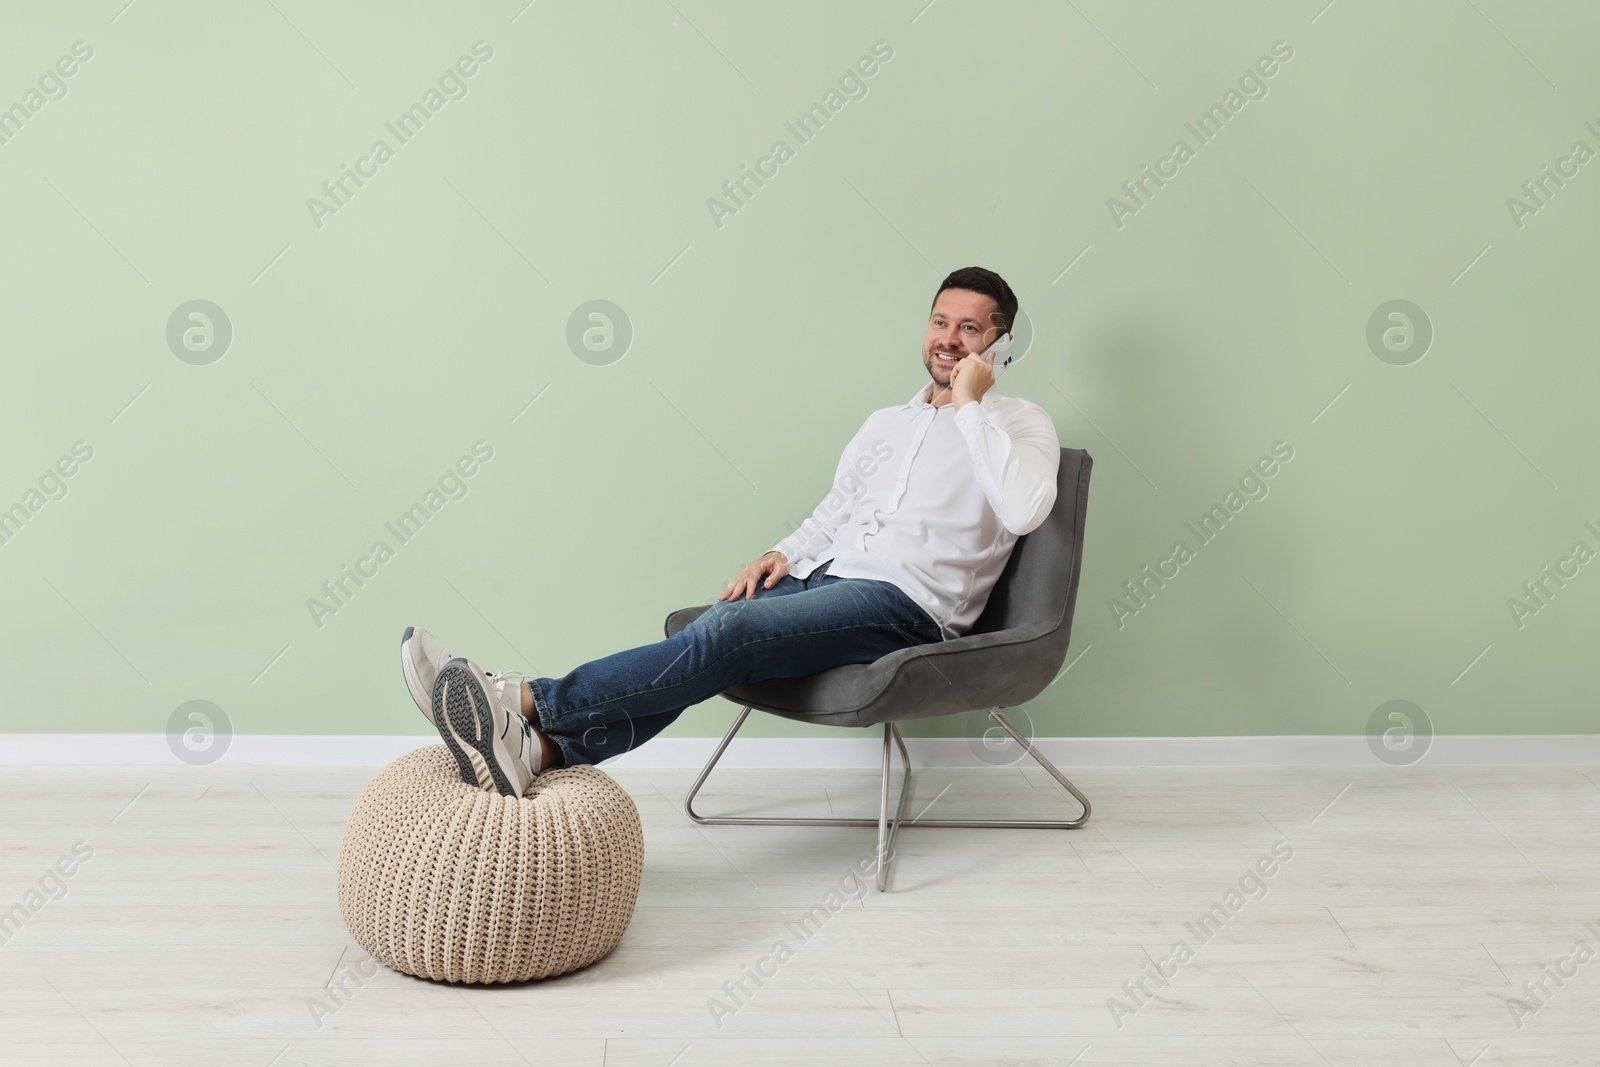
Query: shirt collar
x=920 y=398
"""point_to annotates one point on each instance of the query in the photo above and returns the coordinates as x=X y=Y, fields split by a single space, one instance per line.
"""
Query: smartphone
x=999 y=354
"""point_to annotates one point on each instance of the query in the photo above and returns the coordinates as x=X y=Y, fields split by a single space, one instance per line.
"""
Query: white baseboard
x=862 y=749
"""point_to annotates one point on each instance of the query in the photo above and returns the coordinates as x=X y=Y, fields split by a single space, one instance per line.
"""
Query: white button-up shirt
x=931 y=499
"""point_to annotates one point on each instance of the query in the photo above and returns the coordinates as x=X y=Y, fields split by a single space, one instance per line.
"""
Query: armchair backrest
x=1039 y=587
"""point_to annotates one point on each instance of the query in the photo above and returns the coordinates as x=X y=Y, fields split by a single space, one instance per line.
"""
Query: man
x=927 y=502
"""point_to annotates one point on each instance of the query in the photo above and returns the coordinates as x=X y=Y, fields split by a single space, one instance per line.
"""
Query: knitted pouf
x=445 y=880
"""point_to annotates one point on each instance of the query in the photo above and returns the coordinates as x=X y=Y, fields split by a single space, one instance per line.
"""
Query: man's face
x=962 y=323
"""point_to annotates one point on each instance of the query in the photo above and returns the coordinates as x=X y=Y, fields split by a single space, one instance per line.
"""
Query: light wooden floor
x=1416 y=904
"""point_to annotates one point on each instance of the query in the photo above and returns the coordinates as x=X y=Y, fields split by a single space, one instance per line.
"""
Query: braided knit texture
x=443 y=880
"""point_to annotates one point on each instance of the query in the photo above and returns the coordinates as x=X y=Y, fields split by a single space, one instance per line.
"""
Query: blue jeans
x=799 y=627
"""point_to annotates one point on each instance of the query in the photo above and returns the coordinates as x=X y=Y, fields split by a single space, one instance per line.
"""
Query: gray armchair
x=1010 y=655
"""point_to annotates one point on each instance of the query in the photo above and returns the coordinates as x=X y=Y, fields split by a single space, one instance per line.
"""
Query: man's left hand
x=970 y=379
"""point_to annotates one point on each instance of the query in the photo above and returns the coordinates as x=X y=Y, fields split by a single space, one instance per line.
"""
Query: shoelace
x=522 y=679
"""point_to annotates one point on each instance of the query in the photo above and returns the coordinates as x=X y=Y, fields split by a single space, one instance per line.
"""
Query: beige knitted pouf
x=444 y=880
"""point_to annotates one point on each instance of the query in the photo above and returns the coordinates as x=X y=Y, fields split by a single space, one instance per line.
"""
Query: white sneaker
x=421 y=659
x=482 y=724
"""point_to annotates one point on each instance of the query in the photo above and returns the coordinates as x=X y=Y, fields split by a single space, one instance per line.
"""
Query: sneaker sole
x=462 y=711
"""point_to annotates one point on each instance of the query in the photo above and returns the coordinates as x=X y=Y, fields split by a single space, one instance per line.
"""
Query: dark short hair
x=987 y=282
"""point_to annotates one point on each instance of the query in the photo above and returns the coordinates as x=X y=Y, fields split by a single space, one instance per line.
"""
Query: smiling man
x=927 y=502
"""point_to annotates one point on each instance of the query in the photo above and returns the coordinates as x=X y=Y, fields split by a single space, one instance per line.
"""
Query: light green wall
x=1220 y=318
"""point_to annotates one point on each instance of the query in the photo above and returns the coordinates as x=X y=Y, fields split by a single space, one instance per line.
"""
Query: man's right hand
x=767 y=570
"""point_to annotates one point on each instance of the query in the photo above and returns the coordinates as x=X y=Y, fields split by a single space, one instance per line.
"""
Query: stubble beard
x=934 y=367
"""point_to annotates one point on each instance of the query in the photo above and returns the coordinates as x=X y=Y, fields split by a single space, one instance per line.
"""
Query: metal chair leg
x=688 y=801
x=883 y=814
x=1018 y=824
x=1038 y=757
x=753 y=820
x=887 y=827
